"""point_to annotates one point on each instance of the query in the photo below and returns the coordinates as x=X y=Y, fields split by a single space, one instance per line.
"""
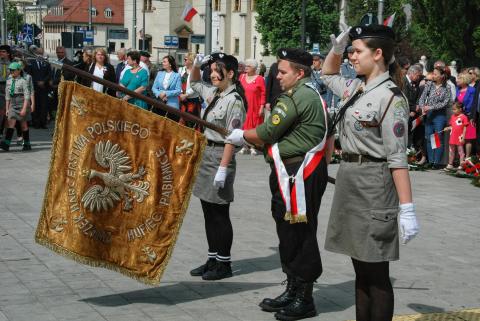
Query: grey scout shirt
x=228 y=111
x=21 y=86
x=389 y=141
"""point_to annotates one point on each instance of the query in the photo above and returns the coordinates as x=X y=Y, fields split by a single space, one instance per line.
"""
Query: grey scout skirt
x=204 y=188
x=16 y=105
x=363 y=220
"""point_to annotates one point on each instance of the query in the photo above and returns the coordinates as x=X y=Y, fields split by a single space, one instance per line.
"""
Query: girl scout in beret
x=214 y=184
x=372 y=181
x=17 y=95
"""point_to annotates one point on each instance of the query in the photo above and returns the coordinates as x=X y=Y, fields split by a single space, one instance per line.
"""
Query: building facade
x=155 y=21
x=68 y=22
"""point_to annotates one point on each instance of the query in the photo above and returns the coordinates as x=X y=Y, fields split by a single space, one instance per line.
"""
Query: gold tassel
x=287 y=216
x=298 y=219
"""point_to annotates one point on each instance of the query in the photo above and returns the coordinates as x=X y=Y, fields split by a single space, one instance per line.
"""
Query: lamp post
x=254 y=46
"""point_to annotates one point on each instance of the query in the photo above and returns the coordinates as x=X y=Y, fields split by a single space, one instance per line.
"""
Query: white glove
x=235 y=138
x=201 y=59
x=219 y=180
x=408 y=222
x=340 y=43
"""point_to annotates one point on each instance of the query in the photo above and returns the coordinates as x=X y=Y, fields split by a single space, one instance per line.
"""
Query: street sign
x=27 y=29
x=88 y=36
x=28 y=39
x=20 y=37
x=316 y=47
x=197 y=38
x=170 y=41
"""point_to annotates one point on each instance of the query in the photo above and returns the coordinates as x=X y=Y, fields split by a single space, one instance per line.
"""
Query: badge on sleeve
x=399 y=129
x=275 y=119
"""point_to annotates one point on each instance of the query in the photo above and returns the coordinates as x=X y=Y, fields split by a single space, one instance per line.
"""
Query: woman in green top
x=136 y=79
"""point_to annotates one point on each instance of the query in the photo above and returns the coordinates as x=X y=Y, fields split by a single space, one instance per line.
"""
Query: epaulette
x=395 y=90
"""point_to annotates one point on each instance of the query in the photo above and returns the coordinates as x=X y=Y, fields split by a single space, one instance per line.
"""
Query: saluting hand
x=408 y=222
x=340 y=42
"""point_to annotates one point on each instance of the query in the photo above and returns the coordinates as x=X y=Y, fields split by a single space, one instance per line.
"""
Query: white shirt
x=166 y=79
x=98 y=71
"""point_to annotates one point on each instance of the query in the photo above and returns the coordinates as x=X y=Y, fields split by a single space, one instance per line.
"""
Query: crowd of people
x=372 y=106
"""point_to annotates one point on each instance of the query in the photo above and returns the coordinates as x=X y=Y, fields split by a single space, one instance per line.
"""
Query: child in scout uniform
x=214 y=184
x=4 y=62
x=295 y=136
x=372 y=182
x=17 y=96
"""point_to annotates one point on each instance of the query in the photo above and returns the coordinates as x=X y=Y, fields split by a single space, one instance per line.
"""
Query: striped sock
x=223 y=258
x=212 y=255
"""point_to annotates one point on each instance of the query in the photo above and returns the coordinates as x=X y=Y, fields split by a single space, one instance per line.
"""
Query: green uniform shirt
x=297 y=121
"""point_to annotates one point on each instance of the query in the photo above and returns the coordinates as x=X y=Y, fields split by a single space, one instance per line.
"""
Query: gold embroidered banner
x=119 y=184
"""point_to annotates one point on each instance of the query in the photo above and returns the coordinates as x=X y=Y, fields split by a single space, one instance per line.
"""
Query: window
x=217 y=5
x=108 y=13
x=236 y=50
x=237 y=6
x=183 y=43
x=147 y=5
x=94 y=12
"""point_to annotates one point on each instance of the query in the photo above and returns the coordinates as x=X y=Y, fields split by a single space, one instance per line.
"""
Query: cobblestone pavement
x=438 y=271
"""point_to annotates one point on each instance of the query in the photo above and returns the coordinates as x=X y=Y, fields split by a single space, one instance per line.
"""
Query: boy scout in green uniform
x=296 y=138
x=4 y=62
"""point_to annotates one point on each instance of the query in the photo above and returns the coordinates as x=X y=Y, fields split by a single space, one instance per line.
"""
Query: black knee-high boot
x=26 y=140
x=5 y=144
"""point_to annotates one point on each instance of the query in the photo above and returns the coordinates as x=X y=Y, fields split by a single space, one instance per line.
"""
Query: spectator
x=190 y=101
x=40 y=71
x=136 y=79
x=434 y=102
x=458 y=127
x=262 y=69
x=318 y=59
x=101 y=68
x=152 y=68
x=254 y=86
x=56 y=77
x=122 y=63
x=466 y=95
x=84 y=64
x=5 y=57
x=168 y=86
x=411 y=89
x=272 y=88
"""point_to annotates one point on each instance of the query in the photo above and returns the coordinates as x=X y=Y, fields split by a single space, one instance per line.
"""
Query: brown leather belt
x=354 y=158
x=214 y=144
x=292 y=160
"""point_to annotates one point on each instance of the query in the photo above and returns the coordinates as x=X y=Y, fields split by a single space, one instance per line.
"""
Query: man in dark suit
x=56 y=77
x=411 y=89
x=272 y=88
x=40 y=71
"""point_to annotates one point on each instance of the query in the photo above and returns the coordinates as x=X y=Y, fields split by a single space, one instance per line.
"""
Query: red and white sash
x=294 y=199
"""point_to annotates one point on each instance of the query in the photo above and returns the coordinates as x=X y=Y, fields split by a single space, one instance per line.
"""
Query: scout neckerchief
x=212 y=104
x=294 y=198
x=12 y=87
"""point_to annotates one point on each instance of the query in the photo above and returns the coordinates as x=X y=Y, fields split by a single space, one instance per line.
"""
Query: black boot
x=222 y=270
x=284 y=299
x=199 y=271
x=302 y=306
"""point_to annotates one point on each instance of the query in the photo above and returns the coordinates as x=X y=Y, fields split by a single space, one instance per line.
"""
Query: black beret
x=295 y=55
x=231 y=63
x=371 y=31
x=6 y=48
x=144 y=53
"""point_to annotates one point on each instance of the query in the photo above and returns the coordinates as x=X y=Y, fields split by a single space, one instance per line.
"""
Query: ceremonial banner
x=119 y=184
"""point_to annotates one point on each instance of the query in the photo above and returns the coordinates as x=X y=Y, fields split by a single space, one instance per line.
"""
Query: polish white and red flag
x=188 y=12
x=389 y=21
x=416 y=122
x=435 y=141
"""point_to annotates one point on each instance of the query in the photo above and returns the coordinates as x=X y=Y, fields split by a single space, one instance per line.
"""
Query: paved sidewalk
x=439 y=271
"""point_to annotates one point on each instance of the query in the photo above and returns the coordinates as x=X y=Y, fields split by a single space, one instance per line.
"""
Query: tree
x=14 y=19
x=279 y=22
x=440 y=29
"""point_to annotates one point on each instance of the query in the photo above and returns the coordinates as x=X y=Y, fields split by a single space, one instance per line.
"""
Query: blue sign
x=170 y=41
x=20 y=37
x=88 y=36
x=28 y=39
x=316 y=47
x=27 y=29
